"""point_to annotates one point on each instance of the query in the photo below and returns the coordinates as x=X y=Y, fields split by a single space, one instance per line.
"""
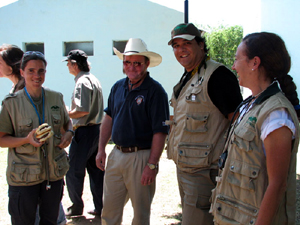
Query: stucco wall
x=57 y=21
x=283 y=18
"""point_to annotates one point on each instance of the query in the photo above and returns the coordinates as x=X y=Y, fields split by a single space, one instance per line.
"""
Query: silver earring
x=252 y=69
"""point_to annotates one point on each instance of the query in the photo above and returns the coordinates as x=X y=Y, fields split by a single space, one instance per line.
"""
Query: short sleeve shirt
x=224 y=90
x=137 y=114
x=87 y=97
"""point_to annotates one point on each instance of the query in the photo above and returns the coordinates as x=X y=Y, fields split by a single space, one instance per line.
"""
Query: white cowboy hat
x=136 y=46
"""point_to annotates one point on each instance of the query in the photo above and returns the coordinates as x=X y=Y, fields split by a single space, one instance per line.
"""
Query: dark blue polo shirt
x=137 y=114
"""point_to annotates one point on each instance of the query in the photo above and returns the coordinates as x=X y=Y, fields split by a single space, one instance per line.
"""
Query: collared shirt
x=137 y=114
x=87 y=97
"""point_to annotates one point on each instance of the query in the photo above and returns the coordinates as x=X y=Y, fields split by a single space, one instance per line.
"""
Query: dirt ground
x=165 y=209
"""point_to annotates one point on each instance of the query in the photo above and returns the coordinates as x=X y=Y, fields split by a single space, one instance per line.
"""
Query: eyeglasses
x=135 y=64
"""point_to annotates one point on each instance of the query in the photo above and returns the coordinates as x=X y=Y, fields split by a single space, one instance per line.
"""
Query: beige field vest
x=198 y=129
x=244 y=179
x=28 y=165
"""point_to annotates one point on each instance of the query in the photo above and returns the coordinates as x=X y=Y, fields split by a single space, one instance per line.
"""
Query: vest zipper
x=235 y=204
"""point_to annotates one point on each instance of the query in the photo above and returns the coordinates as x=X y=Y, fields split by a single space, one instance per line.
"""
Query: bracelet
x=72 y=131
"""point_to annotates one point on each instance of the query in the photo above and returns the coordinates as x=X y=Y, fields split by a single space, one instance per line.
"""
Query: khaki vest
x=245 y=173
x=197 y=135
x=27 y=165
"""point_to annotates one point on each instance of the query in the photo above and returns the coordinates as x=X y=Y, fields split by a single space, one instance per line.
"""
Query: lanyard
x=43 y=101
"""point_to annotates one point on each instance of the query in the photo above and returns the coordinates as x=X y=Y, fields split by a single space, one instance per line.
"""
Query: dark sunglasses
x=135 y=64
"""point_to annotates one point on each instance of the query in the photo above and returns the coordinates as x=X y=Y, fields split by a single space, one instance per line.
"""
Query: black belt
x=88 y=125
x=130 y=149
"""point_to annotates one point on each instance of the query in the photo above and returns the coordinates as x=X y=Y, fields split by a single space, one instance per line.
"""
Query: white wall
x=101 y=21
x=283 y=18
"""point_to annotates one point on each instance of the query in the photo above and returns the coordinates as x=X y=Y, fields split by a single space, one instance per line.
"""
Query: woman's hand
x=32 y=140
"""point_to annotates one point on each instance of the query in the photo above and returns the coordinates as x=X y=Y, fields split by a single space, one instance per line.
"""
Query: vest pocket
x=196 y=123
x=56 y=122
x=243 y=139
x=193 y=155
x=24 y=127
x=25 y=172
x=193 y=96
x=232 y=211
x=26 y=149
x=61 y=164
x=243 y=175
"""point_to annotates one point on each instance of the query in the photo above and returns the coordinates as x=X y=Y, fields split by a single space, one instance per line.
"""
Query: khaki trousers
x=195 y=192
x=122 y=181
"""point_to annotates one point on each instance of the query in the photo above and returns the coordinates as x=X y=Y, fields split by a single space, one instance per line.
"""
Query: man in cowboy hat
x=137 y=109
x=204 y=101
x=86 y=114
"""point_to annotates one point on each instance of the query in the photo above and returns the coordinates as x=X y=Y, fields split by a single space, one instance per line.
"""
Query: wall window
x=86 y=46
x=34 y=46
x=120 y=45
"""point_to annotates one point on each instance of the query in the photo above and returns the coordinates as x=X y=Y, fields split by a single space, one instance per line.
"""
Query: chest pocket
x=25 y=126
x=196 y=122
x=194 y=95
x=243 y=137
x=56 y=122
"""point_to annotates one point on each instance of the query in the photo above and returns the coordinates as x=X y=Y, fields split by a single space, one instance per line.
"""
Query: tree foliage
x=222 y=43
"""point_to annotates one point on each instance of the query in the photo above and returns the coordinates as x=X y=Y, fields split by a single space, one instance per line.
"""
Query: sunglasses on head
x=33 y=53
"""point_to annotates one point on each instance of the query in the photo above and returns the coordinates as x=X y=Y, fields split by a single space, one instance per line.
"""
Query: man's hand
x=148 y=176
x=65 y=140
x=100 y=160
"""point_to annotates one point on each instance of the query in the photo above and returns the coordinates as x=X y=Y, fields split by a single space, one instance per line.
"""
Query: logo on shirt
x=252 y=121
x=139 y=99
x=55 y=108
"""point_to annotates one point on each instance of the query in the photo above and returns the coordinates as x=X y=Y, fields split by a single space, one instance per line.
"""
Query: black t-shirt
x=224 y=90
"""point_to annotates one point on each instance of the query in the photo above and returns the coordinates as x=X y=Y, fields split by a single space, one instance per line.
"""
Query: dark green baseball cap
x=186 y=31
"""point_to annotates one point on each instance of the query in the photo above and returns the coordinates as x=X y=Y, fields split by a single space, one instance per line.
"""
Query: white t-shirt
x=275 y=120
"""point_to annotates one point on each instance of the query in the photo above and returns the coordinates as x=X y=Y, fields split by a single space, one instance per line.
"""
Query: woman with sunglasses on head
x=258 y=182
x=35 y=168
x=10 y=63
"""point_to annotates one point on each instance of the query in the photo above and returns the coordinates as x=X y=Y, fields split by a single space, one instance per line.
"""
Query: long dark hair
x=12 y=56
x=275 y=61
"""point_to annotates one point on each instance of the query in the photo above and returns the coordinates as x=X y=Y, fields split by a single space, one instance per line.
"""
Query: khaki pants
x=195 y=191
x=122 y=181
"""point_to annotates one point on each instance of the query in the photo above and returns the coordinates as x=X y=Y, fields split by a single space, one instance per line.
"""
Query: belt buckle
x=133 y=149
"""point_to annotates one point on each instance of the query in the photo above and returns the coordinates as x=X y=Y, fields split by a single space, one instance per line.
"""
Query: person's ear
x=256 y=63
x=22 y=72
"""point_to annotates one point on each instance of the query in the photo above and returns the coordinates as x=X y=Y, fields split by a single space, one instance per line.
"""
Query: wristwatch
x=152 y=166
x=72 y=131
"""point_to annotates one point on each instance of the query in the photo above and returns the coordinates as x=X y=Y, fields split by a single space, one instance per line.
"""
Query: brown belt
x=130 y=149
